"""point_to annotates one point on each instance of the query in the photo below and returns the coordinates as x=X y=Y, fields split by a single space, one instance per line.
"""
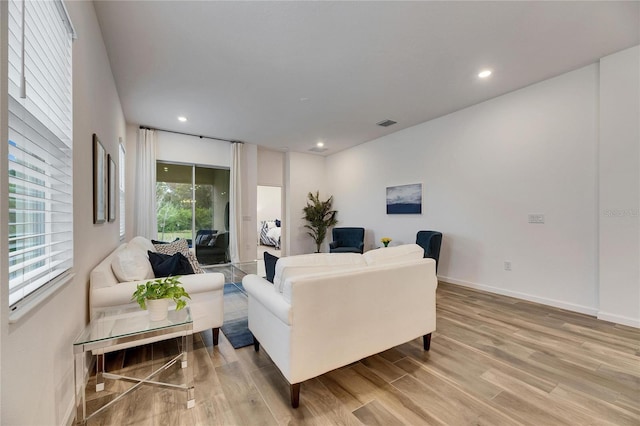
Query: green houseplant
x=157 y=294
x=320 y=217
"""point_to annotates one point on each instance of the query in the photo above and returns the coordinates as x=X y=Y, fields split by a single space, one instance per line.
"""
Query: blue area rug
x=235 y=326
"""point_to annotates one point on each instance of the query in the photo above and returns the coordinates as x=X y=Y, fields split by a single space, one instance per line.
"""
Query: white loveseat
x=324 y=311
x=107 y=292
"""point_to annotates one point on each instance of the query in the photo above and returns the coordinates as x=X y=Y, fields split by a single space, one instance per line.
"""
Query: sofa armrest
x=120 y=294
x=333 y=244
x=200 y=283
x=264 y=293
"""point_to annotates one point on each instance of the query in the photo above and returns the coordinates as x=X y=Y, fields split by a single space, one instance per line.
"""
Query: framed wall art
x=404 y=199
x=99 y=181
x=112 y=188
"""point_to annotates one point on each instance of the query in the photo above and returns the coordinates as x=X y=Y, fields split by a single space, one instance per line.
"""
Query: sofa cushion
x=396 y=254
x=141 y=243
x=131 y=264
x=165 y=265
x=179 y=246
x=195 y=265
x=288 y=267
x=270 y=262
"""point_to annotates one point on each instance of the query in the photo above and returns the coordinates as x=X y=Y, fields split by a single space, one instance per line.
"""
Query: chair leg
x=426 y=341
x=216 y=333
x=295 y=395
x=256 y=344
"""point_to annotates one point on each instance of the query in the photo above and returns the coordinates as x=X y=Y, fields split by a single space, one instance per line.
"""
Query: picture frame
x=99 y=181
x=404 y=199
x=112 y=175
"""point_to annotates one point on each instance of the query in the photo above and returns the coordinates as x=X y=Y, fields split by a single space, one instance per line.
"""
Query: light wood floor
x=494 y=360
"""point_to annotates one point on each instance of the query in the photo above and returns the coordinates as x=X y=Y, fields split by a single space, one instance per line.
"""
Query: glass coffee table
x=126 y=328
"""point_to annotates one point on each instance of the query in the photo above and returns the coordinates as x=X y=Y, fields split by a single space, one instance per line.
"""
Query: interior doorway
x=269 y=215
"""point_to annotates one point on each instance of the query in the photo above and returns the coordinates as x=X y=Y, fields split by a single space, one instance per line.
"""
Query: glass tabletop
x=115 y=324
x=251 y=267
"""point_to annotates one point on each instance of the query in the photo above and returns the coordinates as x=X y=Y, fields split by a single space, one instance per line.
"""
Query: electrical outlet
x=507 y=266
x=536 y=218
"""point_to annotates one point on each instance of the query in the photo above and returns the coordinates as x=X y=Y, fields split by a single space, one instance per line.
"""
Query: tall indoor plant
x=320 y=218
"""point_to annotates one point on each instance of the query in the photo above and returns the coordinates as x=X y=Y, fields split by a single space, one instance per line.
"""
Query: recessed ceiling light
x=320 y=144
x=182 y=118
x=484 y=73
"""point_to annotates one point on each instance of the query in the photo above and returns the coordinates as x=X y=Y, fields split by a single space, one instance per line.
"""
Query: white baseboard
x=70 y=414
x=619 y=319
x=529 y=297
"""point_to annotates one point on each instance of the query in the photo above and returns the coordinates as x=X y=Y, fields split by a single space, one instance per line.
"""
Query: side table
x=125 y=328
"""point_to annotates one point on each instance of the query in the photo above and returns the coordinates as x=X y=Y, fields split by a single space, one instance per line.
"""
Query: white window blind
x=121 y=165
x=40 y=148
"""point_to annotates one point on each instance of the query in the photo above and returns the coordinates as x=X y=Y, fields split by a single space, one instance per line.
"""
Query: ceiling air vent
x=318 y=149
x=386 y=123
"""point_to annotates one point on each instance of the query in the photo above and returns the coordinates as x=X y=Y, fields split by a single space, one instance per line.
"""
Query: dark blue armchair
x=347 y=240
x=430 y=241
x=215 y=251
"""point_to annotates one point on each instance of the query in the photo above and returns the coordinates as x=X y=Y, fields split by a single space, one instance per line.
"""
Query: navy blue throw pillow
x=270 y=265
x=164 y=265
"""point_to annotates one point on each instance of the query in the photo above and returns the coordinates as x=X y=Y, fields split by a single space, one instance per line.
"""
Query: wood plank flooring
x=494 y=360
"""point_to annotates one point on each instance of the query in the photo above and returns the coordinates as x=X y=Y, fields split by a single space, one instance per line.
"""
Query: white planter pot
x=158 y=309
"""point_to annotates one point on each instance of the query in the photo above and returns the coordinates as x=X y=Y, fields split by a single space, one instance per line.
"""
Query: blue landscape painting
x=404 y=199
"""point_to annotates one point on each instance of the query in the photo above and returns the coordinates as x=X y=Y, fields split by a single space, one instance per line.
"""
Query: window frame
x=122 y=190
x=38 y=126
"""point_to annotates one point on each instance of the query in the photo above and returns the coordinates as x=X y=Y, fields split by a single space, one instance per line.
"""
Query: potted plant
x=156 y=295
x=385 y=241
x=320 y=217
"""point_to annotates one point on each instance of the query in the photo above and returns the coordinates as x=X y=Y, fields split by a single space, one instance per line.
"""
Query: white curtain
x=235 y=205
x=145 y=223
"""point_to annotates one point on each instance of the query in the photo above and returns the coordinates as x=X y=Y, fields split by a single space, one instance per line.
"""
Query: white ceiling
x=286 y=75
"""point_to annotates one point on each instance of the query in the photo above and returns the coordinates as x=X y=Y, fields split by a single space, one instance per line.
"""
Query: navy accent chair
x=347 y=240
x=203 y=236
x=216 y=251
x=430 y=241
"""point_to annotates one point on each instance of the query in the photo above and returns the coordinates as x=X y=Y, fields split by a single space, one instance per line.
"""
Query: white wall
x=178 y=148
x=483 y=170
x=269 y=203
x=37 y=358
x=619 y=168
x=270 y=167
x=304 y=173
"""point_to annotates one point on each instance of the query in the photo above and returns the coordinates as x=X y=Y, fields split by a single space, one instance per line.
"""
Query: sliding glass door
x=193 y=203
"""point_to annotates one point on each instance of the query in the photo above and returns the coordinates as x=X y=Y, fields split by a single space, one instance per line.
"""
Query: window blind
x=40 y=147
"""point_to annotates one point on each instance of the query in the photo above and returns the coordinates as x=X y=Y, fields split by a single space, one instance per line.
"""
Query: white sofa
x=324 y=311
x=107 y=292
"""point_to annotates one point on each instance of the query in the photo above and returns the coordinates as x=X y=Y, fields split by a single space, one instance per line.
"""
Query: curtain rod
x=191 y=134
